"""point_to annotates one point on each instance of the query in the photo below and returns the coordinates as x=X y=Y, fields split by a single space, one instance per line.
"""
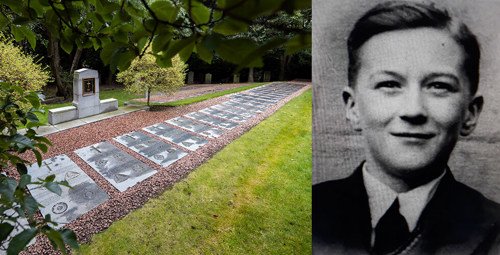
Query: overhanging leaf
x=5 y=229
x=231 y=26
x=165 y=10
x=20 y=241
x=69 y=238
x=53 y=187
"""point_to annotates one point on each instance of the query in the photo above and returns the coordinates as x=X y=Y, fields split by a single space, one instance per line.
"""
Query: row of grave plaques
x=123 y=170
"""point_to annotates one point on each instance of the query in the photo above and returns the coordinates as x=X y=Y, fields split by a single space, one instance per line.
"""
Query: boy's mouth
x=424 y=136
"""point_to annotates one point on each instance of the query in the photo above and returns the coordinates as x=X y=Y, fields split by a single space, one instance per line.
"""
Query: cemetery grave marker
x=244 y=106
x=225 y=115
x=72 y=203
x=157 y=151
x=116 y=166
x=234 y=110
x=218 y=122
x=252 y=103
x=177 y=136
x=196 y=127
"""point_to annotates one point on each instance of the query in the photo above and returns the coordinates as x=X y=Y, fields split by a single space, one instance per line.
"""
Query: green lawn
x=252 y=197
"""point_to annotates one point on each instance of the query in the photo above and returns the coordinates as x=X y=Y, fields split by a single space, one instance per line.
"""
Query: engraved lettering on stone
x=71 y=175
x=159 y=157
x=101 y=162
x=120 y=178
x=59 y=208
x=170 y=150
x=187 y=144
x=131 y=137
x=151 y=141
x=138 y=168
x=139 y=146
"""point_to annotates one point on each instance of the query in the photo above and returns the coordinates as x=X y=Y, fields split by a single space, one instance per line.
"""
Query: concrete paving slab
x=155 y=150
x=177 y=136
x=72 y=203
x=196 y=127
x=116 y=166
x=218 y=122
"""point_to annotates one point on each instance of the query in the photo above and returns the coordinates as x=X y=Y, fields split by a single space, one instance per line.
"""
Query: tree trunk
x=149 y=94
x=250 y=74
x=76 y=60
x=55 y=66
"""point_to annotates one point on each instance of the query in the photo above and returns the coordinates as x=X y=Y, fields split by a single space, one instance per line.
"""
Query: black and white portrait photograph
x=406 y=127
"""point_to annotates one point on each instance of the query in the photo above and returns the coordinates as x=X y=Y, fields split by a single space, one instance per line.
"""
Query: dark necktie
x=391 y=230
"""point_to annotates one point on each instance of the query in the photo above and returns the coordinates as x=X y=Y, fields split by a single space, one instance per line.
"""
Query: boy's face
x=411 y=100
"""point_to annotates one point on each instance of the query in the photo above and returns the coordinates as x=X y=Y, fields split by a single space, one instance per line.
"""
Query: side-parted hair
x=392 y=16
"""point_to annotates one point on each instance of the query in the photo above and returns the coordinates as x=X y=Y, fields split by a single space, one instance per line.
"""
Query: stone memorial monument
x=236 y=78
x=86 y=100
x=267 y=76
x=190 y=77
x=208 y=78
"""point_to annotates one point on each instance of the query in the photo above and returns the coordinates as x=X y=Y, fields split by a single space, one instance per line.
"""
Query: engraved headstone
x=252 y=103
x=218 y=122
x=177 y=136
x=208 y=78
x=157 y=151
x=190 y=77
x=267 y=76
x=83 y=197
x=116 y=166
x=196 y=127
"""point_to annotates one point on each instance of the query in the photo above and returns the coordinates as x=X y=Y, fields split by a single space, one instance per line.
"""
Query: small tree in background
x=19 y=68
x=144 y=75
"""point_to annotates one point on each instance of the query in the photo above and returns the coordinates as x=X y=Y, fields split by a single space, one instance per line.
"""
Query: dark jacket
x=457 y=220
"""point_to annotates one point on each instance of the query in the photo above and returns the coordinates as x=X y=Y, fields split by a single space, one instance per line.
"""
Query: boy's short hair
x=393 y=16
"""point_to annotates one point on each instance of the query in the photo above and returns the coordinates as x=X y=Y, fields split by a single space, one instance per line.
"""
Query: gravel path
x=121 y=203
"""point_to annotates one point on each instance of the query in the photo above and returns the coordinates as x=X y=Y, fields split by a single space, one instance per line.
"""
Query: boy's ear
x=351 y=108
x=472 y=115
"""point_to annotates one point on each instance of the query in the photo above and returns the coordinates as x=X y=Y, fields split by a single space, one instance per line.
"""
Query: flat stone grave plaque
x=243 y=106
x=252 y=103
x=196 y=127
x=253 y=96
x=254 y=99
x=157 y=151
x=72 y=203
x=218 y=122
x=234 y=110
x=225 y=115
x=116 y=166
x=177 y=136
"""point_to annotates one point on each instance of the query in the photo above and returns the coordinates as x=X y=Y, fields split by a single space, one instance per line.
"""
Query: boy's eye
x=388 y=84
x=441 y=86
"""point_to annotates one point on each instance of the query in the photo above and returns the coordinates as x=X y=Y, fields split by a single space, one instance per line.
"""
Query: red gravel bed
x=121 y=203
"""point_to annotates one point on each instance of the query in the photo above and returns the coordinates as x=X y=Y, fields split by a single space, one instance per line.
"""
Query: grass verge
x=252 y=197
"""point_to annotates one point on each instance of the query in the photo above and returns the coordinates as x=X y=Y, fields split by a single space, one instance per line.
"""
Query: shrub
x=145 y=75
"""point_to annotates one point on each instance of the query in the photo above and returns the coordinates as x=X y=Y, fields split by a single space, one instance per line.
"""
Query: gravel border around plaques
x=122 y=203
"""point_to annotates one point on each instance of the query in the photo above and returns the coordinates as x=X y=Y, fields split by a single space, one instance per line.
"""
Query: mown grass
x=252 y=197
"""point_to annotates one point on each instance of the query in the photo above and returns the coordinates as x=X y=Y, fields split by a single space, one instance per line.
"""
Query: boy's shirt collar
x=412 y=202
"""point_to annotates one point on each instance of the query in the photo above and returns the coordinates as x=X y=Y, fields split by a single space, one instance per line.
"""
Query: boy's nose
x=413 y=108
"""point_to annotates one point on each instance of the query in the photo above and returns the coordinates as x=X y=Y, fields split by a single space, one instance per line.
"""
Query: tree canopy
x=124 y=29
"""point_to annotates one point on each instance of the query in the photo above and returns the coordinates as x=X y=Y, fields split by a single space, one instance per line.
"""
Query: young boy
x=413 y=77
